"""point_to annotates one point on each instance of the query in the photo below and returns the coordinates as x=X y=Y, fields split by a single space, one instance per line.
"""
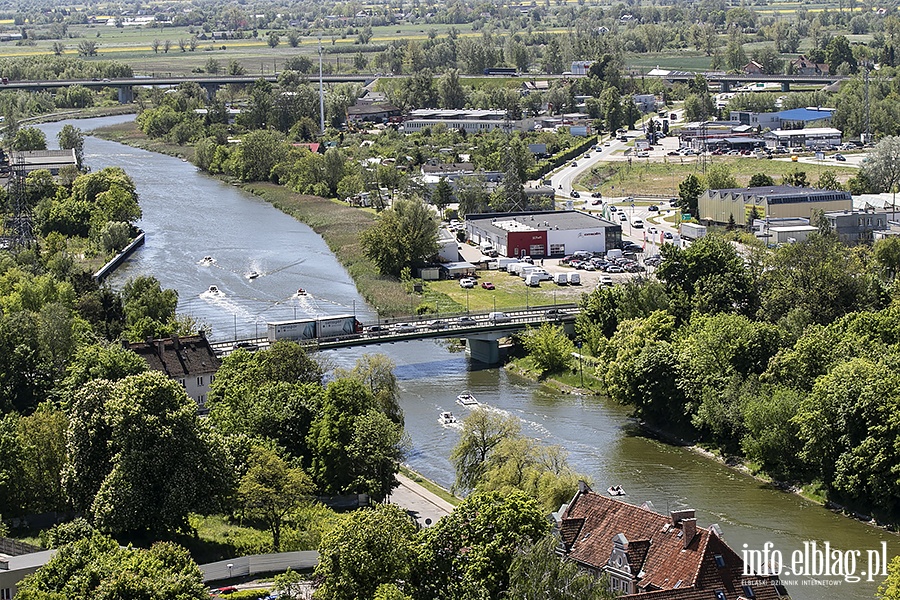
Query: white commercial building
x=543 y=233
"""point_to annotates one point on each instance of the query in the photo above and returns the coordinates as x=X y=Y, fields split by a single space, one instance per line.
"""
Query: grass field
x=662 y=179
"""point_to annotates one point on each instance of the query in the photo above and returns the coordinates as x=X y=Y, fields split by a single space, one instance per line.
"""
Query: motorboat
x=446 y=418
x=301 y=292
x=213 y=289
x=466 y=399
x=207 y=260
x=615 y=490
x=252 y=275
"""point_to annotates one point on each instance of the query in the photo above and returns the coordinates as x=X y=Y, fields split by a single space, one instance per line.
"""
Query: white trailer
x=338 y=326
x=291 y=330
x=692 y=231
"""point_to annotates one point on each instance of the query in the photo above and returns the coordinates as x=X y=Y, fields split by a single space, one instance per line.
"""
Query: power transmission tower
x=19 y=226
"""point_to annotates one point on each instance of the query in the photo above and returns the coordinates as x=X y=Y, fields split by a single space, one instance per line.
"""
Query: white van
x=533 y=280
x=561 y=278
x=542 y=273
x=574 y=278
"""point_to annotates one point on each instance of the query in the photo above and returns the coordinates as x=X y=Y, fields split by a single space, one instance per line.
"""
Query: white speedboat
x=207 y=260
x=466 y=399
x=252 y=275
x=301 y=292
x=213 y=289
x=446 y=418
x=615 y=490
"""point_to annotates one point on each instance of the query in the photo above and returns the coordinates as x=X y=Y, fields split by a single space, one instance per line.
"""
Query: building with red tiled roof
x=649 y=556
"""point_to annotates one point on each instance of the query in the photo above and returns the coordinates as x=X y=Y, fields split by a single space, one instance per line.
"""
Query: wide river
x=188 y=215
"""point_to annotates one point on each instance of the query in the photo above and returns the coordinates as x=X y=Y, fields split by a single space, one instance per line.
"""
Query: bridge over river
x=481 y=332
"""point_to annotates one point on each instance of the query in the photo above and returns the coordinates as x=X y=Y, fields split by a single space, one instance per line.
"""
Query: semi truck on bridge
x=314 y=329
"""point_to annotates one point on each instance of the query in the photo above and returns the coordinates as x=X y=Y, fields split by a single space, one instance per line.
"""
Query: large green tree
x=271 y=489
x=468 y=553
x=850 y=427
x=482 y=431
x=154 y=465
x=97 y=568
x=403 y=235
x=539 y=573
x=374 y=546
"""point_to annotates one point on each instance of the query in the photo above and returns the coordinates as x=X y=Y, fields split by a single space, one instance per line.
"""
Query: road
x=422 y=505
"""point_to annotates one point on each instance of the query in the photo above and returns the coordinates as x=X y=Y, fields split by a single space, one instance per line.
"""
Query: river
x=188 y=215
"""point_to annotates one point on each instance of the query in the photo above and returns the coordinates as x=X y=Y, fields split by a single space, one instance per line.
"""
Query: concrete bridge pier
x=126 y=94
x=785 y=86
x=484 y=348
x=211 y=89
x=724 y=86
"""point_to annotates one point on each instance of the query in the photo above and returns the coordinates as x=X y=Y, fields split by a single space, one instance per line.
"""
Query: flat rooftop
x=540 y=221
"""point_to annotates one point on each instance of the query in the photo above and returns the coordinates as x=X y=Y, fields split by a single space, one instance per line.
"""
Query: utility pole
x=321 y=92
x=868 y=113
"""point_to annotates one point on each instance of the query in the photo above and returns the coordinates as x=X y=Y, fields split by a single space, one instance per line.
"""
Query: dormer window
x=720 y=561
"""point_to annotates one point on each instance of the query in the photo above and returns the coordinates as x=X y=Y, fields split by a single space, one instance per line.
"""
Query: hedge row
x=545 y=166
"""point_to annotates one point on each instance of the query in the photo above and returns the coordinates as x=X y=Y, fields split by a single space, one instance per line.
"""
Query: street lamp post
x=467 y=300
x=580 y=363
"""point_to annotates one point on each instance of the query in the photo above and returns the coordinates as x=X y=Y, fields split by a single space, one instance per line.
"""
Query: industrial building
x=780 y=201
x=470 y=121
x=543 y=233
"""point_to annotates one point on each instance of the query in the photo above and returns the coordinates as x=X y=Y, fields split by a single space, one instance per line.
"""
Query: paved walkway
x=424 y=506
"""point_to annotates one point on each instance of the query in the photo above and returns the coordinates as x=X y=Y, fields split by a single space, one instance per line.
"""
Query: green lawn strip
x=661 y=178
x=578 y=378
x=429 y=485
x=510 y=292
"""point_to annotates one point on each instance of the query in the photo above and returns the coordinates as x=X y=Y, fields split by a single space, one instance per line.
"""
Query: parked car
x=466 y=322
x=575 y=194
x=467 y=282
x=596 y=202
x=606 y=280
x=653 y=208
x=622 y=217
x=487 y=285
x=614 y=269
x=222 y=591
x=596 y=195
x=574 y=164
x=527 y=259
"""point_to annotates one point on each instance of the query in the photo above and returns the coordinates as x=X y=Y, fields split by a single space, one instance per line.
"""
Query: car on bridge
x=404 y=328
x=554 y=313
x=499 y=317
x=437 y=324
x=466 y=322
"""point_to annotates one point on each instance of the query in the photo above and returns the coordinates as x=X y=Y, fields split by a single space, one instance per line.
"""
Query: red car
x=230 y=589
x=487 y=285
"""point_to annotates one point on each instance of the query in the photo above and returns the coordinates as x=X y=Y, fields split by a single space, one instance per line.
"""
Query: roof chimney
x=689 y=527
x=679 y=515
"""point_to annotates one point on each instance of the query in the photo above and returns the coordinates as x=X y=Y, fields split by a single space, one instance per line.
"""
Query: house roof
x=372 y=109
x=665 y=567
x=179 y=357
x=805 y=114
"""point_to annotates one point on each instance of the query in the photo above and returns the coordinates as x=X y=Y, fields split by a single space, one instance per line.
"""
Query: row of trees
x=785 y=358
